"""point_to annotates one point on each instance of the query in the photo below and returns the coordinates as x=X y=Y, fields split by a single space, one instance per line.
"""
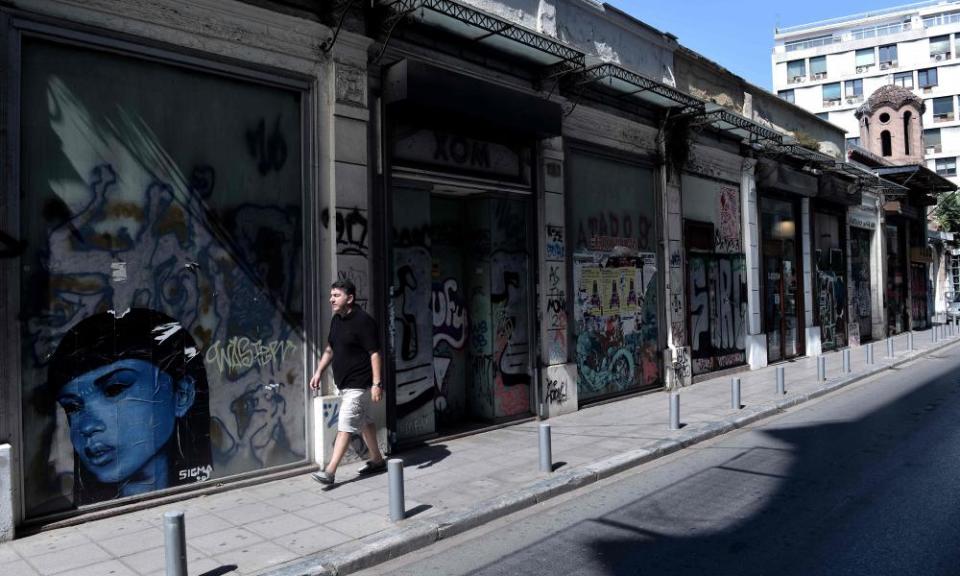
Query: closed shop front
x=862 y=229
x=460 y=266
x=716 y=274
x=162 y=286
x=611 y=223
x=829 y=246
x=781 y=277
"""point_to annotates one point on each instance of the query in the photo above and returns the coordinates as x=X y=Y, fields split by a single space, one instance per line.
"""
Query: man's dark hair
x=346 y=285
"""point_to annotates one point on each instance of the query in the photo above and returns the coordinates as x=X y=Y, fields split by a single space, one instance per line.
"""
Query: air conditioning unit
x=862 y=69
x=818 y=76
x=942 y=117
x=888 y=65
x=937 y=57
x=927 y=89
x=854 y=100
x=829 y=103
x=796 y=79
x=934 y=149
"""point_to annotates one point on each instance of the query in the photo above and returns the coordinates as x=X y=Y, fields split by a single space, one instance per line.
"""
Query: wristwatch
x=378 y=384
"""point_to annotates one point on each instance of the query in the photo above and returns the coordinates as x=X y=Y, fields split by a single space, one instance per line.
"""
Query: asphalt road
x=863 y=481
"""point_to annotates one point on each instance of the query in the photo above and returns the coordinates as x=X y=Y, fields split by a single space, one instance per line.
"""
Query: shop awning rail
x=724 y=120
x=487 y=30
x=627 y=83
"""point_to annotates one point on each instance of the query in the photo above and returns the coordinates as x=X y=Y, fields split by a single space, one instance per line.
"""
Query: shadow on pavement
x=872 y=496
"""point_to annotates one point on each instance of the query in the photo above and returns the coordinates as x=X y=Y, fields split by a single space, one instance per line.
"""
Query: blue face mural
x=120 y=416
x=134 y=392
x=156 y=194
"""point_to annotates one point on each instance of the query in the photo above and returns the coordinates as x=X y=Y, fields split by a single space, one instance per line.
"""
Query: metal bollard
x=781 y=381
x=674 y=411
x=869 y=352
x=821 y=368
x=546 y=452
x=846 y=361
x=910 y=341
x=175 y=541
x=890 y=347
x=395 y=475
x=735 y=393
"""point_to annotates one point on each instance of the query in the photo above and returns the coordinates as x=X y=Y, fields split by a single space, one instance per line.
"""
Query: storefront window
x=611 y=218
x=162 y=298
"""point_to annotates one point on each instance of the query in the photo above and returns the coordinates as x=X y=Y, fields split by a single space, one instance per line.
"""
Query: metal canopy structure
x=917 y=177
x=871 y=181
x=629 y=84
x=724 y=120
x=486 y=30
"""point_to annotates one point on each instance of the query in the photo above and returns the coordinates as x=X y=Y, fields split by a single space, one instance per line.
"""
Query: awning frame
x=569 y=58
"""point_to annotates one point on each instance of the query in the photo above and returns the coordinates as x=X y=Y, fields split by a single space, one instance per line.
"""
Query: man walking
x=354 y=349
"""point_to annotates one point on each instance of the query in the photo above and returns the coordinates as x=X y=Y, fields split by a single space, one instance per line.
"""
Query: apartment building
x=830 y=67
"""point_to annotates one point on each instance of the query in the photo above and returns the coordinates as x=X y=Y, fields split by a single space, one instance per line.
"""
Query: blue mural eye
x=114 y=388
x=69 y=406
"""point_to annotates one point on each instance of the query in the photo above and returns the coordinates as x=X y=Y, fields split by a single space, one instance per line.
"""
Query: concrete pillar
x=756 y=339
x=6 y=493
x=677 y=367
x=813 y=347
x=878 y=275
x=558 y=378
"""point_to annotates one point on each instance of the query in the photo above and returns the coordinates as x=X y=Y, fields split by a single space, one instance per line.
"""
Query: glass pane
x=904 y=79
x=831 y=91
x=864 y=57
x=164 y=205
x=818 y=65
x=940 y=45
x=888 y=53
x=796 y=68
x=943 y=105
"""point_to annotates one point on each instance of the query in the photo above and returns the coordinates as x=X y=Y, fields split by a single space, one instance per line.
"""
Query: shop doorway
x=460 y=316
x=781 y=273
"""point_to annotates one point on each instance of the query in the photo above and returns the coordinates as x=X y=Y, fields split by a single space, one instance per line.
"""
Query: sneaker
x=323 y=477
x=371 y=467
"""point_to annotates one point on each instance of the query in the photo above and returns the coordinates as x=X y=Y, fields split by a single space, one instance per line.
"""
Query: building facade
x=543 y=207
x=830 y=67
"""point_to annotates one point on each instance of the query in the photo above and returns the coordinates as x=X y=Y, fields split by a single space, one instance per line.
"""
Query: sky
x=739 y=35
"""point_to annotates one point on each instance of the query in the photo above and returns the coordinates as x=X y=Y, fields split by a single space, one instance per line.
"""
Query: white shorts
x=354 y=410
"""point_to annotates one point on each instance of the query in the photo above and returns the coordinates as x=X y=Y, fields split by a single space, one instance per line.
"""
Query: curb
x=412 y=535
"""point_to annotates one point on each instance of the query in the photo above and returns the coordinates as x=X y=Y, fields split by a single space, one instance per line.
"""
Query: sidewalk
x=293 y=526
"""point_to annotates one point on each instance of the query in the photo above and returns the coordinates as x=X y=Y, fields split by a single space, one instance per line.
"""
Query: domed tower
x=891 y=124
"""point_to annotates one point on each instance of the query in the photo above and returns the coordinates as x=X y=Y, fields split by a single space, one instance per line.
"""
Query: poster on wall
x=162 y=296
x=616 y=346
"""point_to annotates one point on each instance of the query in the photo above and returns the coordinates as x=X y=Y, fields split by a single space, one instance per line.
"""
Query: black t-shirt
x=353 y=338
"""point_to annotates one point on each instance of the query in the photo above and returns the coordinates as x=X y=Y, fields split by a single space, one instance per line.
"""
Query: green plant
x=947 y=213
